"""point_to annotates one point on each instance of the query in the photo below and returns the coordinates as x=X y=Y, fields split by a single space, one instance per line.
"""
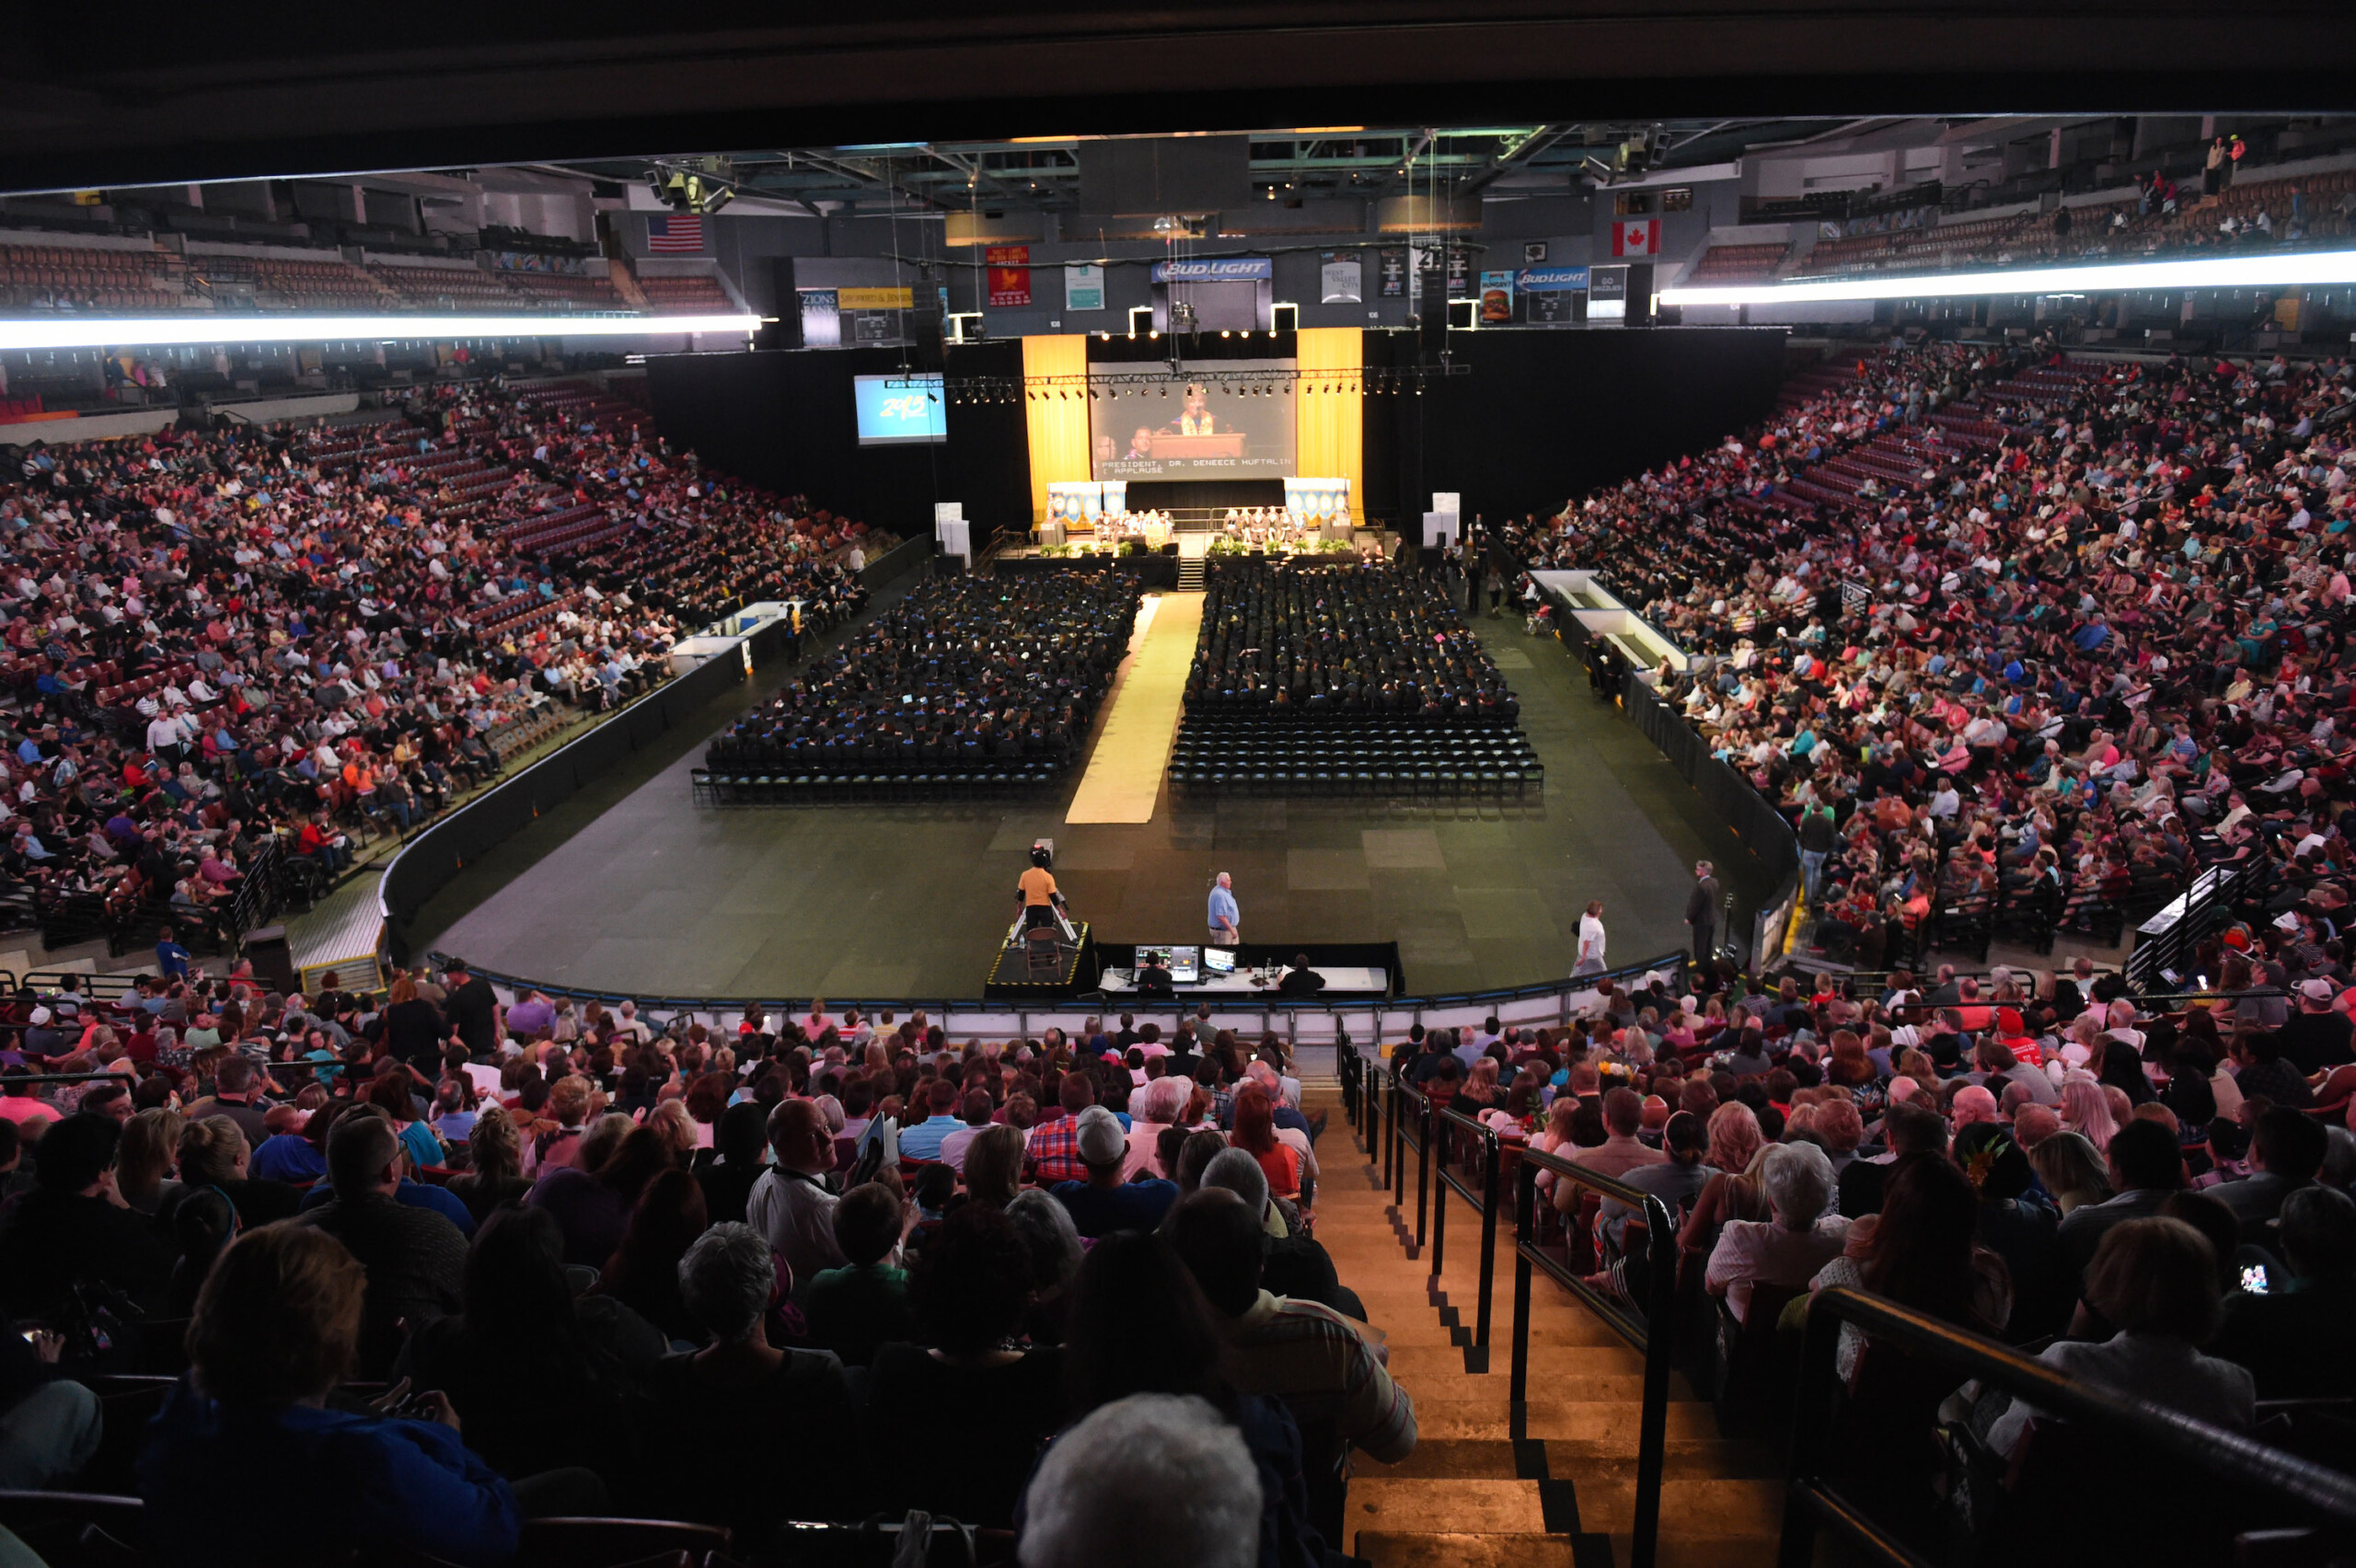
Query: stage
x=630 y=886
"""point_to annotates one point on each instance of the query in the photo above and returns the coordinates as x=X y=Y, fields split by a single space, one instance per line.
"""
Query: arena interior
x=1256 y=788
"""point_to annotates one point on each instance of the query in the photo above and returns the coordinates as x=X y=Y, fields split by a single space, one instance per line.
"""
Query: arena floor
x=632 y=886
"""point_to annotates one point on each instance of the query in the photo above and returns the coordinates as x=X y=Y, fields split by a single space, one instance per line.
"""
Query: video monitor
x=1219 y=961
x=1232 y=422
x=1185 y=965
x=899 y=411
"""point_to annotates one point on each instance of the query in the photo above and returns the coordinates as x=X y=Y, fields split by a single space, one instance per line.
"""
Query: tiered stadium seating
x=281 y=283
x=443 y=288
x=86 y=277
x=1738 y=263
x=561 y=291
x=685 y=296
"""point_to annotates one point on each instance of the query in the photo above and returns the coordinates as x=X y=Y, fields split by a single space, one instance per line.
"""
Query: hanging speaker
x=1431 y=306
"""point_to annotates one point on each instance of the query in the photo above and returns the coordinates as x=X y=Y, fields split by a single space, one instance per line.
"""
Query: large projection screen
x=1232 y=424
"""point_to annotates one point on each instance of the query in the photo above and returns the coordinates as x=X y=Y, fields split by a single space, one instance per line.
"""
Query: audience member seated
x=1302 y=1354
x=2292 y=1336
x=277 y=1327
x=748 y=1433
x=70 y=1230
x=1103 y=1203
x=543 y=1380
x=852 y=1309
x=2154 y=1281
x=414 y=1259
x=1084 y=1508
x=1787 y=1250
x=981 y=1398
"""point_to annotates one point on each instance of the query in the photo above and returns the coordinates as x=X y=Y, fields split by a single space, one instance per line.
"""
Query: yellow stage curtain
x=1329 y=428
x=1059 y=426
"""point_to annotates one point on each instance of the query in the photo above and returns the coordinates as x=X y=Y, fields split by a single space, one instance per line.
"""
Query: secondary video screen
x=1233 y=424
x=899 y=411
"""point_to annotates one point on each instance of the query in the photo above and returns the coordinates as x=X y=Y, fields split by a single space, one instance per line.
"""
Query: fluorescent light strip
x=160 y=331
x=2300 y=269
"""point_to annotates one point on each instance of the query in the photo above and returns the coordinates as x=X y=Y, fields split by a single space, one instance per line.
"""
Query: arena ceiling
x=110 y=97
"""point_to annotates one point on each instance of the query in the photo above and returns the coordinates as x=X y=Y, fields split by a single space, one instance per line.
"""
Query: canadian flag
x=1636 y=236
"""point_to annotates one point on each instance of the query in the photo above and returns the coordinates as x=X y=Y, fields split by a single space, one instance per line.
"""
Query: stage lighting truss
x=1374 y=381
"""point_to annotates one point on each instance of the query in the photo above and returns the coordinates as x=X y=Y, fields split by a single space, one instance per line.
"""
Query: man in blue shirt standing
x=1224 y=918
x=171 y=959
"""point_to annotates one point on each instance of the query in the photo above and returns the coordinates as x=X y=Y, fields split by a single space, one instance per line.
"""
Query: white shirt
x=798 y=1217
x=1590 y=939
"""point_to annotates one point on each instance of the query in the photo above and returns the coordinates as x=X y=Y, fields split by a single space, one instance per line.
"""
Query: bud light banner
x=1217 y=269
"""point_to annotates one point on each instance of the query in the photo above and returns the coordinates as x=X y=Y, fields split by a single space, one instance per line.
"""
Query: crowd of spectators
x=964 y=670
x=2086 y=637
x=439 y=1263
x=1300 y=638
x=2156 y=1200
x=219 y=636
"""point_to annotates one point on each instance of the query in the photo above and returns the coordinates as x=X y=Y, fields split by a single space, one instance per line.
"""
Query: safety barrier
x=1547 y=1004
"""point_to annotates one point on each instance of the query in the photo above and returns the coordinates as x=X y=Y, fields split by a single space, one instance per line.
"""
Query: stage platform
x=1010 y=978
x=632 y=886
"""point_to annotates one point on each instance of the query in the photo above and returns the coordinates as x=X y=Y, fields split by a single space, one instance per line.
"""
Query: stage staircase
x=1557 y=1489
x=1190 y=574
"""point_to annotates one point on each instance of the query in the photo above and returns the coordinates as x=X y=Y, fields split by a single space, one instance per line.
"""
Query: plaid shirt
x=1309 y=1357
x=1055 y=1148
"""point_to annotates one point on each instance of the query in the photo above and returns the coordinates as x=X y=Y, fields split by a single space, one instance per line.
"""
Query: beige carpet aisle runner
x=1125 y=771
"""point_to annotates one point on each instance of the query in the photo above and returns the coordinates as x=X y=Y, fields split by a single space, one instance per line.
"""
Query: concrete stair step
x=1419 y=1549
x=1548 y=1363
x=1689 y=1507
x=1601 y=1411
x=1604 y=1460
x=1471 y=1507
x=1411 y=1548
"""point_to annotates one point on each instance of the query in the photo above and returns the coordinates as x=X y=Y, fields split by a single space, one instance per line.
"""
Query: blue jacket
x=335 y=1481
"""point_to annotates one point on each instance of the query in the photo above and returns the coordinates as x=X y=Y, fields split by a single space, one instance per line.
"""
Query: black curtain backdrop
x=1544 y=416
x=786 y=420
x=1155 y=495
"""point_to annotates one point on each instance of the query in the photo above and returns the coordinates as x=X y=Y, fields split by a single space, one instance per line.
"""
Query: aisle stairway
x=1461 y=1500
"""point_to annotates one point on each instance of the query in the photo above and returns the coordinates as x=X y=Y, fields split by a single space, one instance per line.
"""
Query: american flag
x=675 y=235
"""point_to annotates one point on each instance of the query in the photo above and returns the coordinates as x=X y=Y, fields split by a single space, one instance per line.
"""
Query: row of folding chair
x=724 y=786
x=1437 y=781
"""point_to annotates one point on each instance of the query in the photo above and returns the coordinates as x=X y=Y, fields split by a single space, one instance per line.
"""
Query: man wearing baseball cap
x=1103 y=1203
x=2316 y=1036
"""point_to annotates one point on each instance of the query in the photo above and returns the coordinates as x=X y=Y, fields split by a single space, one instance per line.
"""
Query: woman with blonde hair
x=2085 y=1110
x=994 y=1166
x=143 y=1161
x=2072 y=1169
x=494 y=1178
x=1735 y=1191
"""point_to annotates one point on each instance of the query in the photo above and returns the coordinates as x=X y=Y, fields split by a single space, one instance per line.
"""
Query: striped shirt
x=1309 y=1357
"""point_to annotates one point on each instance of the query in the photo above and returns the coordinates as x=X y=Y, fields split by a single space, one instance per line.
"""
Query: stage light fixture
x=1155 y=334
x=1225 y=333
x=1133 y=335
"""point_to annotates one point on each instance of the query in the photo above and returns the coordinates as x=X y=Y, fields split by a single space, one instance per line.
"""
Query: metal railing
x=1552 y=1004
x=1811 y=1502
x=1652 y=1333
x=1444 y=1125
x=1393 y=1119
